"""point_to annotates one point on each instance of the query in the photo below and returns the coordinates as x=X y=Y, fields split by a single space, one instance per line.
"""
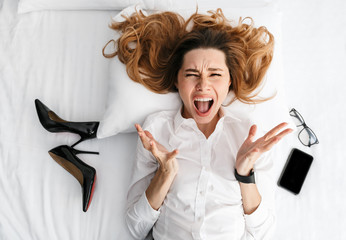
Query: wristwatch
x=245 y=179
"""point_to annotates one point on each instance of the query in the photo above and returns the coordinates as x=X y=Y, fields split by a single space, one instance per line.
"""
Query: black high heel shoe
x=53 y=123
x=85 y=174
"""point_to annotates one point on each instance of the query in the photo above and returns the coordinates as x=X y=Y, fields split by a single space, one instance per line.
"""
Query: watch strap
x=245 y=179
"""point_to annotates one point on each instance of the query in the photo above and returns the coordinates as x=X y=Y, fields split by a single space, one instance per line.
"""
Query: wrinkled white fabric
x=204 y=201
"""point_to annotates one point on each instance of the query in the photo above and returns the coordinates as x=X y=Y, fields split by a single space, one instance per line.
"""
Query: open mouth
x=203 y=105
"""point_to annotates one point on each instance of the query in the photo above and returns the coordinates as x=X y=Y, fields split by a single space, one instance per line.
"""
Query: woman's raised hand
x=251 y=150
x=166 y=159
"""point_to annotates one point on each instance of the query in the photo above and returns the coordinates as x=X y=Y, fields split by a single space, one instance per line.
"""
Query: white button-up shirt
x=204 y=201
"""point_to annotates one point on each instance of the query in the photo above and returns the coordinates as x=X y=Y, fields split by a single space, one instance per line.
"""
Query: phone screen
x=295 y=171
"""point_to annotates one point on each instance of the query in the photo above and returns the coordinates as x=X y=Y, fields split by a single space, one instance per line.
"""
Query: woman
x=195 y=168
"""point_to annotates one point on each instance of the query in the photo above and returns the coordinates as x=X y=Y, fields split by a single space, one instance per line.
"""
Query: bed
x=52 y=51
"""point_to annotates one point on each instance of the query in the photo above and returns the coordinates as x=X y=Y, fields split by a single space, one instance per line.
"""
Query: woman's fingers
x=252 y=133
x=284 y=133
x=155 y=151
x=274 y=131
x=138 y=127
x=148 y=134
x=250 y=151
x=172 y=154
x=139 y=130
x=161 y=156
x=275 y=139
x=143 y=135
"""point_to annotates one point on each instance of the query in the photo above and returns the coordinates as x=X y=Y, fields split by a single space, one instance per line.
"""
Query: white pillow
x=129 y=102
x=234 y=3
x=25 y=6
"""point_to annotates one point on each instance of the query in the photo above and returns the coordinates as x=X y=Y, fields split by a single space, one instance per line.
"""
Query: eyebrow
x=209 y=69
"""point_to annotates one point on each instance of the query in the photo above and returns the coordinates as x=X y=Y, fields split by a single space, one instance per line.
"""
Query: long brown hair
x=153 y=48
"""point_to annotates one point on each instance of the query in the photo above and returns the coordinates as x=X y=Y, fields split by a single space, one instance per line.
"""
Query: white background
x=314 y=54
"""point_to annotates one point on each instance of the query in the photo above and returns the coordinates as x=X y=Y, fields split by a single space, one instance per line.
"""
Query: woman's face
x=203 y=83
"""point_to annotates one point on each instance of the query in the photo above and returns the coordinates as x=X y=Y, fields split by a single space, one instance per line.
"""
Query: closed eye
x=215 y=74
x=191 y=75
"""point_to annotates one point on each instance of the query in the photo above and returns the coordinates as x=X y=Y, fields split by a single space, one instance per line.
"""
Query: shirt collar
x=225 y=115
x=229 y=115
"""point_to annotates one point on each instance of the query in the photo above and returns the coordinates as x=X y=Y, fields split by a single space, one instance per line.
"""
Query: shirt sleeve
x=261 y=223
x=140 y=216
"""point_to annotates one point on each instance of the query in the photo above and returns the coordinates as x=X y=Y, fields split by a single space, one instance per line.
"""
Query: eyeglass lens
x=307 y=137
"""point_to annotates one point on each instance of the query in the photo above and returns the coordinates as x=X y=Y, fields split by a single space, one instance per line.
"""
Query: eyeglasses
x=306 y=136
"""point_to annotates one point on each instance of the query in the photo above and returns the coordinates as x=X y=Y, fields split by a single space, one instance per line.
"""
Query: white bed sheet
x=56 y=57
x=40 y=200
x=314 y=57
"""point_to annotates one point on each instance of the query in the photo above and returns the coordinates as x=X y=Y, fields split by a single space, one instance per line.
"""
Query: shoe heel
x=75 y=151
x=79 y=141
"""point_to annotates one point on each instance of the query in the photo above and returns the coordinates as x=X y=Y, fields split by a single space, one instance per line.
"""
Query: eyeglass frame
x=303 y=124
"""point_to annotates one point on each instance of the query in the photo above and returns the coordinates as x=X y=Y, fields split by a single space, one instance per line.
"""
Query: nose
x=203 y=84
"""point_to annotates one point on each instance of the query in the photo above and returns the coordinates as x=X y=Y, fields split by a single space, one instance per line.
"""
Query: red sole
x=92 y=193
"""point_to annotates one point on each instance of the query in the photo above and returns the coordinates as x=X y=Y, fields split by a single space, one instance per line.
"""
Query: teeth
x=203 y=99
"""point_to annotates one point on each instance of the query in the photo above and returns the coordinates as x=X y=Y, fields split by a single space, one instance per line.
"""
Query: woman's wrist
x=244 y=171
x=159 y=187
x=244 y=166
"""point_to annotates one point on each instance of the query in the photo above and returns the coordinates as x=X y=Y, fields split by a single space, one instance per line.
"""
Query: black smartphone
x=295 y=171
